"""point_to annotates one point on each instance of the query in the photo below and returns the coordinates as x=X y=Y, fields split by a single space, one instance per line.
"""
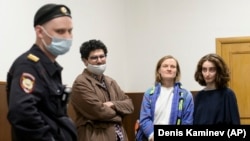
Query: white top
x=163 y=106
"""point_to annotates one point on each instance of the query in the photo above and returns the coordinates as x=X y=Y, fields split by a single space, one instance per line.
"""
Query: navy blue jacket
x=37 y=106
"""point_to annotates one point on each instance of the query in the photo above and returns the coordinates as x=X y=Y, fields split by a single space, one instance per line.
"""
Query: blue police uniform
x=36 y=99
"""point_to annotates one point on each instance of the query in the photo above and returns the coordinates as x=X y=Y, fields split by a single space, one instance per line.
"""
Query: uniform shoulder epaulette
x=33 y=57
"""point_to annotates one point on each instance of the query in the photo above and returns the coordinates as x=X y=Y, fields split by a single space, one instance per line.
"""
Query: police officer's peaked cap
x=49 y=12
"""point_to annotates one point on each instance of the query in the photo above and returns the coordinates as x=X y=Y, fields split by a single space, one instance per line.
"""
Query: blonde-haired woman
x=160 y=103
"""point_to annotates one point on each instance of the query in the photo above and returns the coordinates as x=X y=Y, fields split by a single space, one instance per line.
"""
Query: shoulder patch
x=33 y=58
x=181 y=86
x=152 y=90
x=27 y=82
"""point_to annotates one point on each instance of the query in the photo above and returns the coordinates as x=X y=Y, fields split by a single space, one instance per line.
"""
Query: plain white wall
x=97 y=19
x=136 y=32
x=184 y=29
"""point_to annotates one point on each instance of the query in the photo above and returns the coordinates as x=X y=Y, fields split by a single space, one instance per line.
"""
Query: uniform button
x=58 y=91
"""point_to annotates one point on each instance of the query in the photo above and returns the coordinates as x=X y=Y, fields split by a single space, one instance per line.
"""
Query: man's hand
x=109 y=104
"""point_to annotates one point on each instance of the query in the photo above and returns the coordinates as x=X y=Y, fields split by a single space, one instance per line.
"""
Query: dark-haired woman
x=216 y=103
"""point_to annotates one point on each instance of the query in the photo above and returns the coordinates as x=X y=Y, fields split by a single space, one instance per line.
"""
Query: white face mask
x=96 y=69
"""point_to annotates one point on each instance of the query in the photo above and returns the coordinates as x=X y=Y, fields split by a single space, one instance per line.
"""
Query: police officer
x=37 y=99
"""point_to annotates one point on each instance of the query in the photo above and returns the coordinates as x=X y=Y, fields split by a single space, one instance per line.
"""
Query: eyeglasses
x=95 y=58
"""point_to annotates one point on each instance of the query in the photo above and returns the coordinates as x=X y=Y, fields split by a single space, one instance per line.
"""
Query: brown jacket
x=94 y=120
